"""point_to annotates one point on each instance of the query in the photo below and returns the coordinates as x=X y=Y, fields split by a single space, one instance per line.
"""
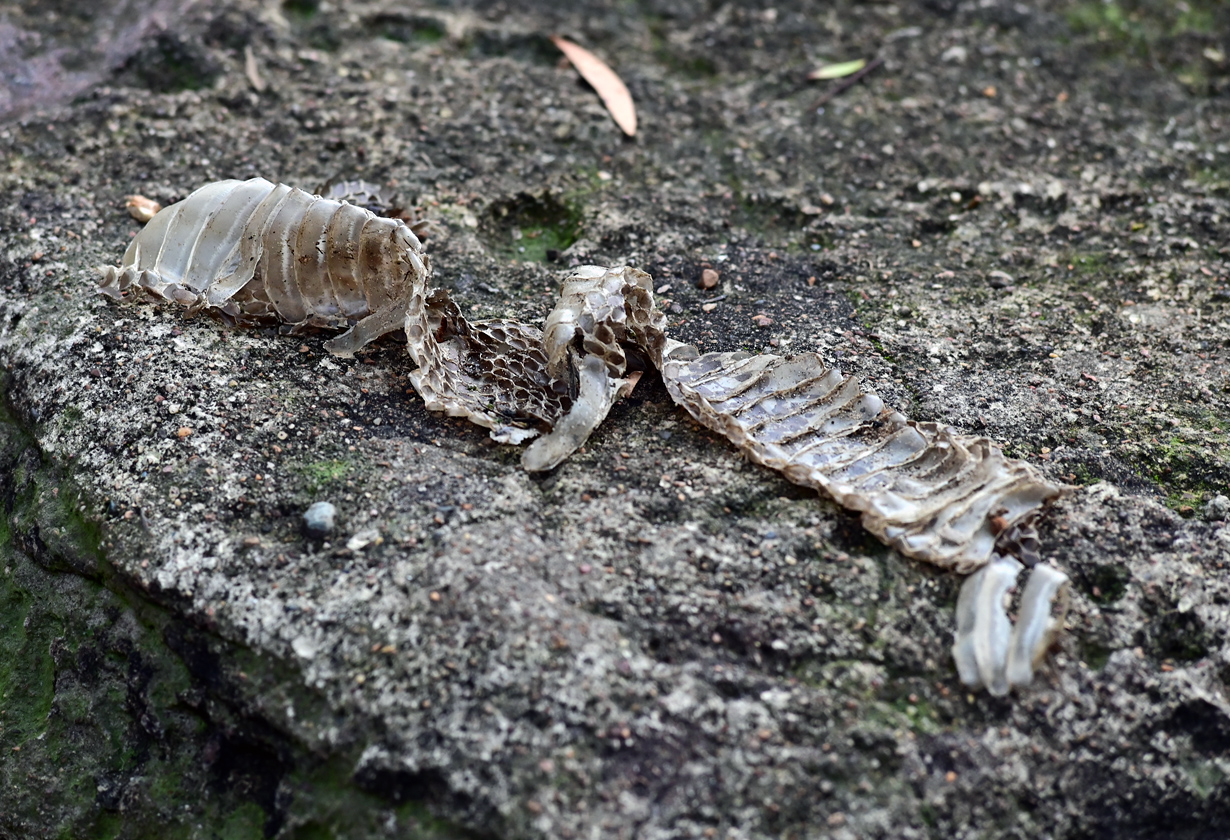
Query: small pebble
x=1217 y=509
x=1000 y=279
x=762 y=320
x=318 y=520
x=141 y=208
x=708 y=279
x=366 y=537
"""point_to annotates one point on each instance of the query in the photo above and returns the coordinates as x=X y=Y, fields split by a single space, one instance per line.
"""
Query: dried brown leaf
x=610 y=87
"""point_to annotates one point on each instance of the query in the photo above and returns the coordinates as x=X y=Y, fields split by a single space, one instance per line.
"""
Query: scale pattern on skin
x=256 y=252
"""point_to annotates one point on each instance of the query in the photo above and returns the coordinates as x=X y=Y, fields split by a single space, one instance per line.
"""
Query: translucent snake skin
x=256 y=253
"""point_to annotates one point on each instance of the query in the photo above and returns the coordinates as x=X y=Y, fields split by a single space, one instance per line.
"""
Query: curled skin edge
x=597 y=392
x=1036 y=627
x=963 y=638
x=386 y=319
x=983 y=630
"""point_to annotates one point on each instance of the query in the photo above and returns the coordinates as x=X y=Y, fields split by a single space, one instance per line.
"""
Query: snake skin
x=256 y=252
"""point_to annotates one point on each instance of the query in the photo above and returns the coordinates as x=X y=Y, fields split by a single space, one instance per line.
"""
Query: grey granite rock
x=656 y=639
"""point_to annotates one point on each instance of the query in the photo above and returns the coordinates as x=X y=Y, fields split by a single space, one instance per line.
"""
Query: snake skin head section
x=603 y=312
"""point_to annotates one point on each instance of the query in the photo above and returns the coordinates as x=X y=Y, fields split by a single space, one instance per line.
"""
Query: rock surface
x=1017 y=225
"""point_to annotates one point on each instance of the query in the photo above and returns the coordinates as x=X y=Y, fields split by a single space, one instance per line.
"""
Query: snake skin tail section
x=990 y=651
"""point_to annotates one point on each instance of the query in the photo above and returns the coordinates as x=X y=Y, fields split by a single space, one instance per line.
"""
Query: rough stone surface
x=1217 y=508
x=1018 y=225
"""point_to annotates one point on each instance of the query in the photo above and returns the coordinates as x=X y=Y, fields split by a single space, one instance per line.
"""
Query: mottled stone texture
x=1017 y=225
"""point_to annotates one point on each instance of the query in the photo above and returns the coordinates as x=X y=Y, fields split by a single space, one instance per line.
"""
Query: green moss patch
x=531 y=228
x=119 y=721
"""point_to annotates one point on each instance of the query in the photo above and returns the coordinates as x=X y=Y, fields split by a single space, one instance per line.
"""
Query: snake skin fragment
x=983 y=629
x=372 y=198
x=358 y=192
x=989 y=650
x=596 y=393
x=522 y=383
x=493 y=373
x=1038 y=622
x=923 y=488
x=601 y=316
x=1020 y=540
x=255 y=252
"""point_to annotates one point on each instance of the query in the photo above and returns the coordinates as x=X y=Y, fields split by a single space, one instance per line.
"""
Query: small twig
x=846 y=83
x=252 y=70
